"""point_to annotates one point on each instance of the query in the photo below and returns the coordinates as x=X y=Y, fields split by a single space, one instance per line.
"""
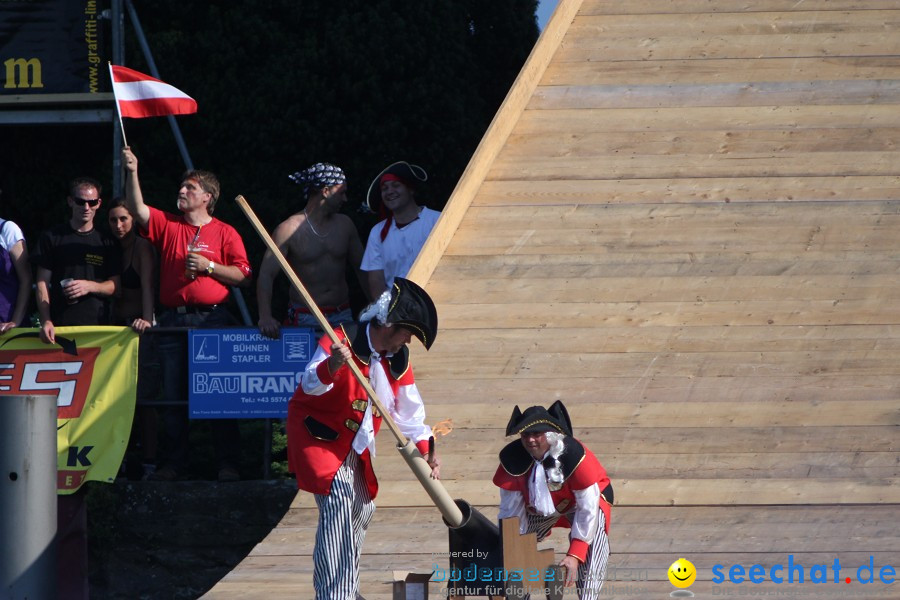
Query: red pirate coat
x=321 y=428
x=580 y=468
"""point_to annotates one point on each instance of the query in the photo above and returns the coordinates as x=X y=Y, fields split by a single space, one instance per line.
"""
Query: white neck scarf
x=538 y=490
x=365 y=437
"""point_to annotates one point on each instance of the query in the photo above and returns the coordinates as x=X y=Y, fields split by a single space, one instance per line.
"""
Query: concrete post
x=27 y=497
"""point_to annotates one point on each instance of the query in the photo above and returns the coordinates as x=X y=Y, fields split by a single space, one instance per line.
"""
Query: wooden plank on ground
x=745 y=164
x=711 y=263
x=589 y=339
x=687 y=492
x=851 y=93
x=671 y=314
x=780 y=141
x=658 y=388
x=710 y=24
x=675 y=7
x=584 y=288
x=674 y=116
x=485 y=413
x=772 y=44
x=557 y=192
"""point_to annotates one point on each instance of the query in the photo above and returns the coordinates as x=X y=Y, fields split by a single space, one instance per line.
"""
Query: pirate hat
x=537 y=419
x=411 y=175
x=411 y=307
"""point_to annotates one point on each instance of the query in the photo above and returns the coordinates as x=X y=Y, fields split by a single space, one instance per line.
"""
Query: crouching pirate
x=549 y=479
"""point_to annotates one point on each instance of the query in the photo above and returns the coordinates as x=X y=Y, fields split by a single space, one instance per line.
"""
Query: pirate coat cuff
x=578 y=549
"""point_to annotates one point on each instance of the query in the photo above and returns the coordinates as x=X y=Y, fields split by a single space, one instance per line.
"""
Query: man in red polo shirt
x=200 y=256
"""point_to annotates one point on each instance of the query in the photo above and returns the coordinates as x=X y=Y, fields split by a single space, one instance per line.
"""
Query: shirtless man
x=317 y=242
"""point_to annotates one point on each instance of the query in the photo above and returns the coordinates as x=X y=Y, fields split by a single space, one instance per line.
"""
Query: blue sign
x=242 y=374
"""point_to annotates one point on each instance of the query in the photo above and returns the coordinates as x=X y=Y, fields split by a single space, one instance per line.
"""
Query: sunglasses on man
x=82 y=202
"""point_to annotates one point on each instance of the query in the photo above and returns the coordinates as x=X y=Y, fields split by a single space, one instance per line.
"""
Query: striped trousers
x=344 y=517
x=592 y=571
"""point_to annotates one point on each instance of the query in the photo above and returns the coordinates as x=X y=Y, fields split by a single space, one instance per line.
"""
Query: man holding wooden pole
x=332 y=425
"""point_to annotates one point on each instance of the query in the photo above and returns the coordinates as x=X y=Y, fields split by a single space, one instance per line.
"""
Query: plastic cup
x=189 y=273
x=63 y=284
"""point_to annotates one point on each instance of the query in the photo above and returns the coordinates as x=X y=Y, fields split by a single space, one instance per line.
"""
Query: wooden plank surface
x=740 y=94
x=709 y=24
x=771 y=44
x=740 y=164
x=583 y=288
x=805 y=141
x=710 y=262
x=707 y=190
x=686 y=491
x=673 y=115
x=677 y=7
x=675 y=314
x=660 y=388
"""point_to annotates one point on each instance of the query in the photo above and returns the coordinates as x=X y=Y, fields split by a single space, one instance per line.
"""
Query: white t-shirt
x=396 y=254
x=10 y=235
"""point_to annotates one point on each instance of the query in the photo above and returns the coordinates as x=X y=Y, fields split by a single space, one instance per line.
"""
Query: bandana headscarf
x=318 y=176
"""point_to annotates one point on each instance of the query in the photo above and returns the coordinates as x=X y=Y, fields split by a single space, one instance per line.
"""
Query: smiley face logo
x=682 y=573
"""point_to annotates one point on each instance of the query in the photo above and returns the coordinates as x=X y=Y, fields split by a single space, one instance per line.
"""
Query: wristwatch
x=210 y=268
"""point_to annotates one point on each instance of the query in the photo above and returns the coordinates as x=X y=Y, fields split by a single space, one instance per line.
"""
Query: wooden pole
x=436 y=491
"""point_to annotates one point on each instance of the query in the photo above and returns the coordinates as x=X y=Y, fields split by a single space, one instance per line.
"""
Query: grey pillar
x=27 y=497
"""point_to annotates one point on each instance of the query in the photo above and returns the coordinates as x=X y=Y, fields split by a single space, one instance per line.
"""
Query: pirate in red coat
x=549 y=479
x=332 y=425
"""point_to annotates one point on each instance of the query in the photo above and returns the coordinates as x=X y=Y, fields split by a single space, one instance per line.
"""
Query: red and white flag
x=140 y=95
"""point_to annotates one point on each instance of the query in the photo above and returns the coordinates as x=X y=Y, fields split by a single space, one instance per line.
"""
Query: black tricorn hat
x=411 y=174
x=537 y=419
x=411 y=307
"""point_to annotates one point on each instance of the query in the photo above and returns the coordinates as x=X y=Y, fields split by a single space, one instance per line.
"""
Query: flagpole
x=118 y=112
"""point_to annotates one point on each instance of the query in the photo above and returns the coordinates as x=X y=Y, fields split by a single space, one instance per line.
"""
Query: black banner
x=52 y=47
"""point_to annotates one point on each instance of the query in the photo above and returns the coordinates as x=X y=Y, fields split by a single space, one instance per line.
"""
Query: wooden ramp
x=685 y=223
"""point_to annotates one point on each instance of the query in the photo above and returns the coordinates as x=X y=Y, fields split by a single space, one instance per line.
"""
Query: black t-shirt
x=69 y=254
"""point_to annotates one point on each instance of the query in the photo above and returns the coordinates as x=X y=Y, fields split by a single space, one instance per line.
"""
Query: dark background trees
x=282 y=84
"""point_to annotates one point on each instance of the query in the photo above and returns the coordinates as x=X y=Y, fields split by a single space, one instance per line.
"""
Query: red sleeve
x=234 y=253
x=155 y=225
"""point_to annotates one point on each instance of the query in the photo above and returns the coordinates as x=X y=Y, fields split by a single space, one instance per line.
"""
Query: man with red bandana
x=331 y=425
x=549 y=479
x=395 y=242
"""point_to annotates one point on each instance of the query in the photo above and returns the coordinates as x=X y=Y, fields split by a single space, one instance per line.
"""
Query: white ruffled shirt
x=406 y=408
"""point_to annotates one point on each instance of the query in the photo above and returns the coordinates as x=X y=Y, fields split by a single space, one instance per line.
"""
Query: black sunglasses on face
x=82 y=202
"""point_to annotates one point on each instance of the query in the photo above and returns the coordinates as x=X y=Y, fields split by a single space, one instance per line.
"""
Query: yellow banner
x=92 y=371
